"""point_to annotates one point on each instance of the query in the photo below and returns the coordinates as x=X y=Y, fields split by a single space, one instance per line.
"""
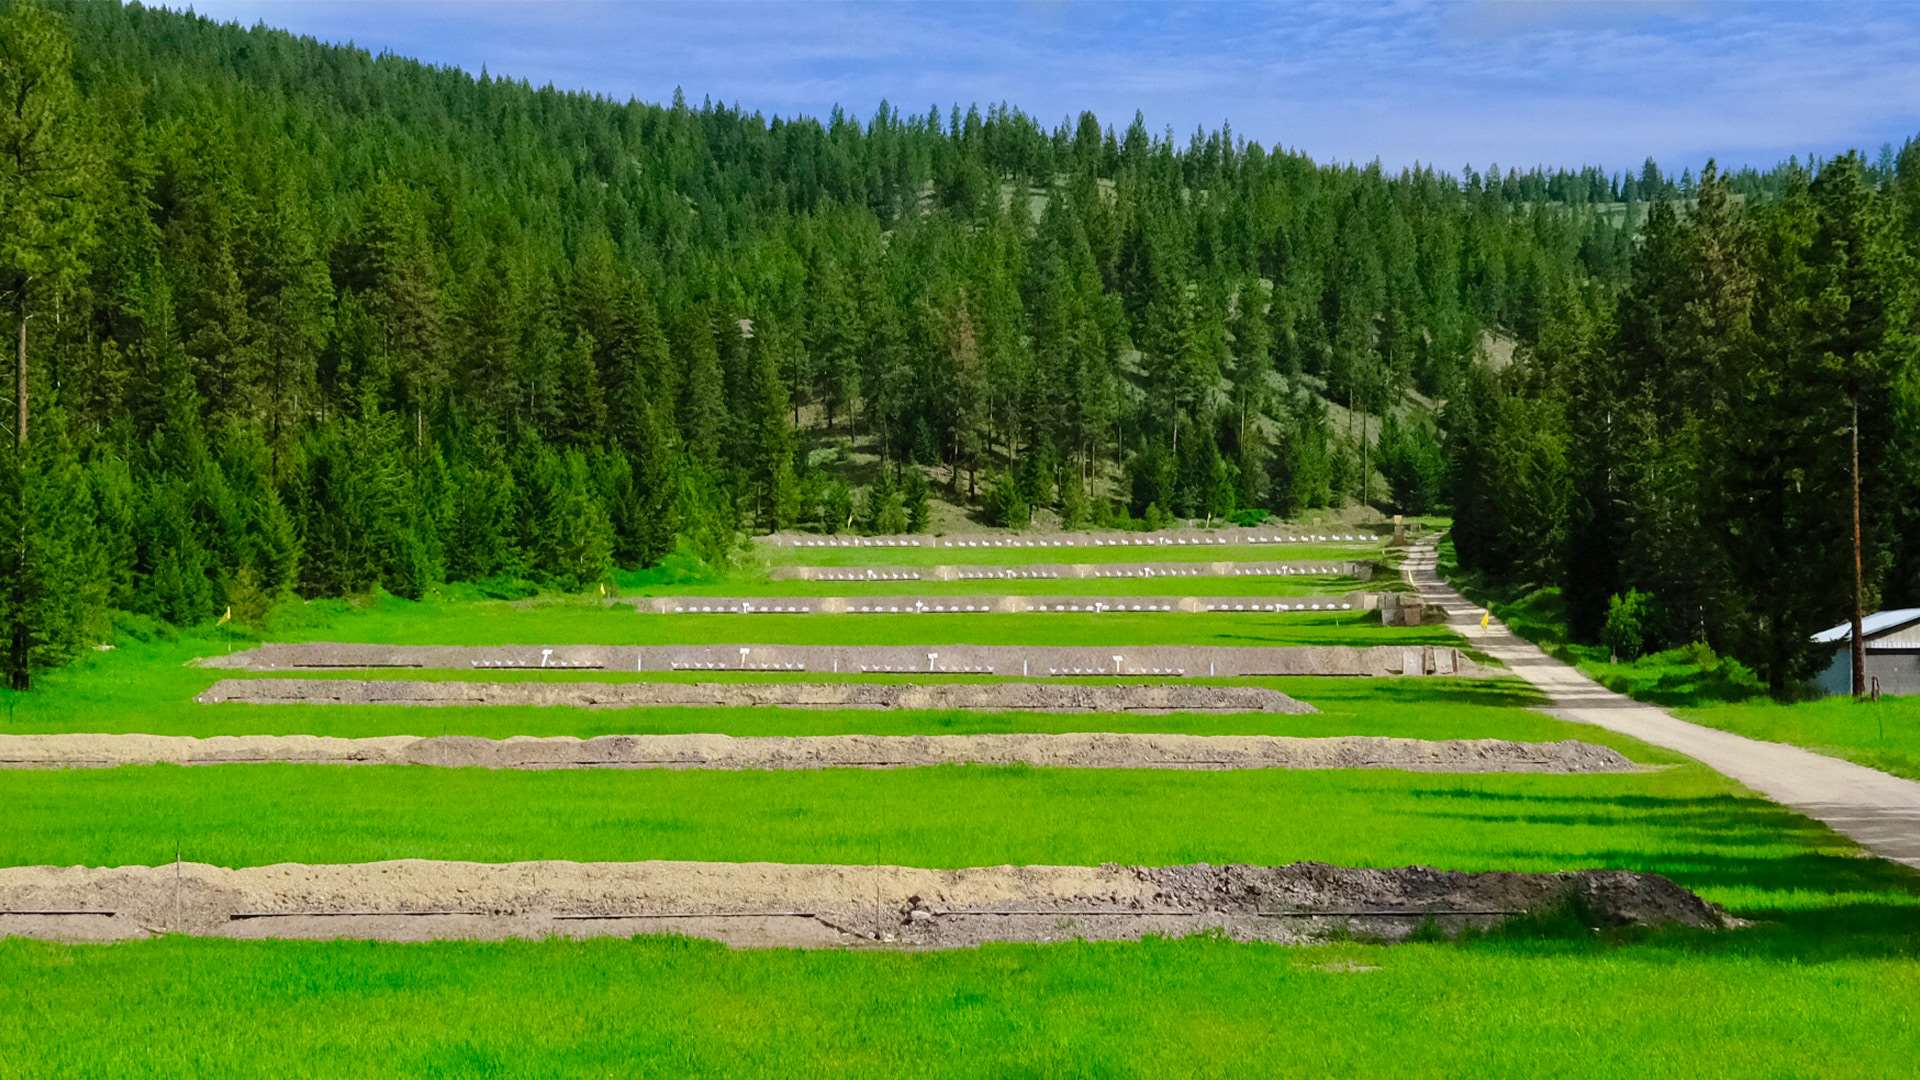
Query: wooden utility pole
x=1858 y=645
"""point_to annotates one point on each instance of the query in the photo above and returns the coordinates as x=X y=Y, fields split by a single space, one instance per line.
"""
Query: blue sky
x=1515 y=82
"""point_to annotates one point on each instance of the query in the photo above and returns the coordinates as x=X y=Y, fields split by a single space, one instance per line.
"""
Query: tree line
x=1683 y=450
x=294 y=319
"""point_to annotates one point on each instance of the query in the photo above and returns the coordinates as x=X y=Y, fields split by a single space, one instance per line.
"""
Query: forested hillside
x=293 y=318
x=1681 y=454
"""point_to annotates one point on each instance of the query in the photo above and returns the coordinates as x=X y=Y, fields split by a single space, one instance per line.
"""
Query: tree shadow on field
x=1828 y=902
x=1411 y=693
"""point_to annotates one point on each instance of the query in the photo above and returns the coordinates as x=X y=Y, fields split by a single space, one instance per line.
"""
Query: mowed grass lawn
x=1882 y=735
x=580 y=623
x=1683 y=821
x=149 y=687
x=1822 y=983
x=1196 y=1007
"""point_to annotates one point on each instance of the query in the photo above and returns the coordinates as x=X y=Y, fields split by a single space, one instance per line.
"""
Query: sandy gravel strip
x=1026 y=696
x=774 y=904
x=1078 y=750
x=1026 y=661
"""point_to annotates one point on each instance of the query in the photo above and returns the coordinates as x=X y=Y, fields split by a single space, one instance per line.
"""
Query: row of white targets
x=720 y=665
x=1038 y=575
x=1119 y=541
x=546 y=663
x=1329 y=606
x=1096 y=608
x=742 y=609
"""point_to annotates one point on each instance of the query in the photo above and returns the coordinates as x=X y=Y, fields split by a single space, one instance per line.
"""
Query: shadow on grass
x=1862 y=907
x=1409 y=693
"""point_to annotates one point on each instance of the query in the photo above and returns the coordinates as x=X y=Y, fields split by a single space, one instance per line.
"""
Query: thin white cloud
x=1513 y=81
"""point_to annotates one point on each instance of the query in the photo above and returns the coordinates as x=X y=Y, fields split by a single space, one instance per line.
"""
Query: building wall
x=1898 y=672
x=1836 y=678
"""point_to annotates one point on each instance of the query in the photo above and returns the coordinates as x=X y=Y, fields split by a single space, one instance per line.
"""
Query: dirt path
x=775 y=904
x=1083 y=750
x=1880 y=812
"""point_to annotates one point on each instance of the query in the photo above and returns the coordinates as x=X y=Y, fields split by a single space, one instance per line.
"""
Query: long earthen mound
x=1024 y=661
x=1042 y=697
x=769 y=904
x=1083 y=750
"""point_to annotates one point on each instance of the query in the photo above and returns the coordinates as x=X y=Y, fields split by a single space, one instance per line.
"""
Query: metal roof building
x=1893 y=653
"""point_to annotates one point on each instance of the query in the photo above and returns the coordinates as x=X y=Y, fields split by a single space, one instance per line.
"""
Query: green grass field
x=1882 y=735
x=1674 y=820
x=1196 y=1007
x=580 y=622
x=1820 y=983
x=149 y=688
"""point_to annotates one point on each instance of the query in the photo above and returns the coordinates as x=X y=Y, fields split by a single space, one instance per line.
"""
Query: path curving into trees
x=1878 y=811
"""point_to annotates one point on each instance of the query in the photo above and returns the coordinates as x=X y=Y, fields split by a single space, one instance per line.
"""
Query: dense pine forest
x=297 y=320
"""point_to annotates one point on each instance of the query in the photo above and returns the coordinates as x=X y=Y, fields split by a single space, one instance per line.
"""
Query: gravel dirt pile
x=767 y=904
x=1040 y=697
x=1031 y=661
x=1081 y=750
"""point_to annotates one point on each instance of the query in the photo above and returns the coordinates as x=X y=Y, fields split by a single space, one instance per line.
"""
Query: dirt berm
x=1028 y=661
x=771 y=904
x=1040 y=697
x=1082 y=750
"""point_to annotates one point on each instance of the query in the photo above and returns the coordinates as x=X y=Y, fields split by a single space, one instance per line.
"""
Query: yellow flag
x=1485 y=618
x=226 y=617
x=603 y=590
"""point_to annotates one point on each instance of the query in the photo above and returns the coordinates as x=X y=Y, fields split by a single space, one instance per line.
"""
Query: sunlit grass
x=1881 y=735
x=1196 y=1007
